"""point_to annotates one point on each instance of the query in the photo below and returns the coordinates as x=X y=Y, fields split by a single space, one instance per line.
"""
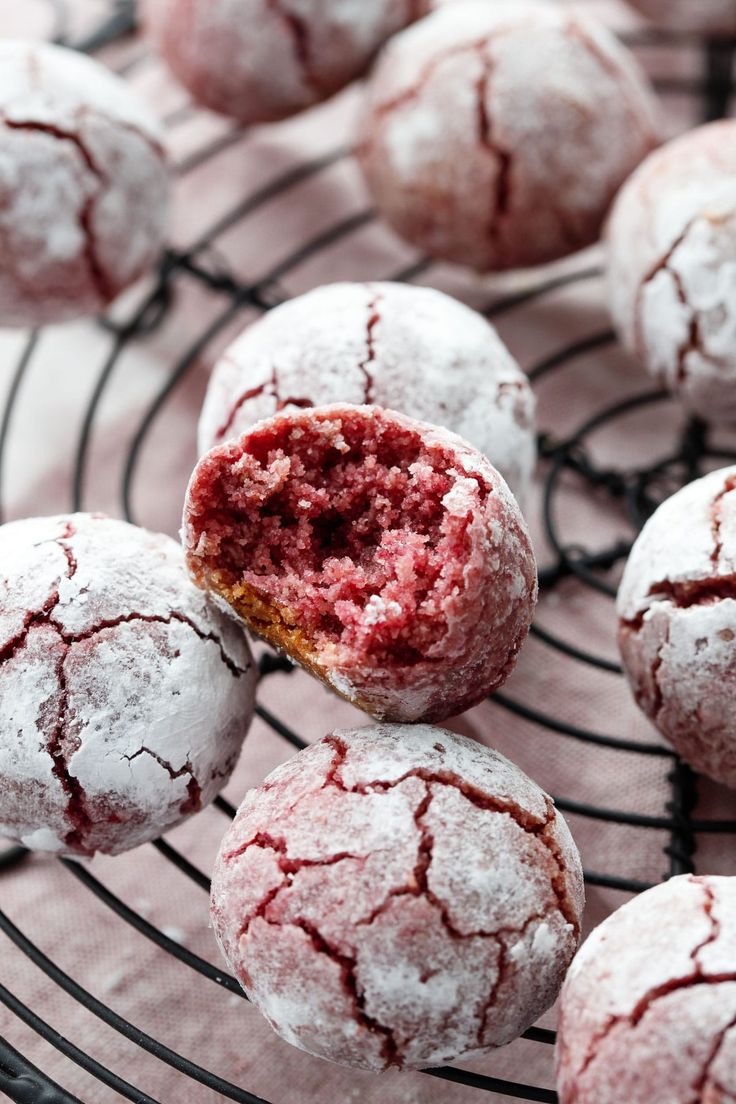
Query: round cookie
x=261 y=60
x=83 y=185
x=497 y=134
x=124 y=694
x=672 y=268
x=677 y=610
x=410 y=349
x=398 y=896
x=708 y=17
x=385 y=555
x=648 y=1010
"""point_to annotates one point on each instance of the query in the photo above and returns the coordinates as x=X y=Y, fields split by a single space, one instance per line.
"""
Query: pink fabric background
x=158 y=994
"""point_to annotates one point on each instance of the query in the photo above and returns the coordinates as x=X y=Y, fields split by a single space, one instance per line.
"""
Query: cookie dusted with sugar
x=410 y=349
x=677 y=610
x=398 y=896
x=707 y=17
x=385 y=555
x=83 y=185
x=672 y=268
x=124 y=694
x=648 y=1010
x=261 y=60
x=497 y=134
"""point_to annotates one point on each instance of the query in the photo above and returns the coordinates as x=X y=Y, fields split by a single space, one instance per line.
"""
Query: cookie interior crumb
x=340 y=536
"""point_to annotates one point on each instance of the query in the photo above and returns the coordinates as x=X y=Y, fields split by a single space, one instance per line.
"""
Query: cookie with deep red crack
x=497 y=134
x=671 y=249
x=677 y=623
x=648 y=1010
x=125 y=694
x=262 y=60
x=398 y=895
x=83 y=185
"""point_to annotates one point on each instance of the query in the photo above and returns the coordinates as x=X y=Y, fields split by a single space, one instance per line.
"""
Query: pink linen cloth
x=217 y=168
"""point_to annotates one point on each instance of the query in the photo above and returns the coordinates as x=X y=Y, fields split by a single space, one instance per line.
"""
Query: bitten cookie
x=648 y=1010
x=708 y=17
x=672 y=268
x=124 y=694
x=261 y=60
x=677 y=610
x=83 y=185
x=385 y=555
x=497 y=134
x=410 y=349
x=398 y=896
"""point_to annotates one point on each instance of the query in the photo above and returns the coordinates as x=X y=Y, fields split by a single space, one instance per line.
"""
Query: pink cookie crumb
x=385 y=555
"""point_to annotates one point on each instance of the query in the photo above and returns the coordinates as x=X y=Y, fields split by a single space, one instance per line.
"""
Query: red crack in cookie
x=714 y=17
x=260 y=60
x=124 y=695
x=385 y=555
x=672 y=244
x=83 y=185
x=497 y=134
x=398 y=896
x=677 y=610
x=406 y=348
x=648 y=1010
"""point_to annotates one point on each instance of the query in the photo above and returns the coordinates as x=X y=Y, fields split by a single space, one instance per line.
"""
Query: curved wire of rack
x=20 y=1079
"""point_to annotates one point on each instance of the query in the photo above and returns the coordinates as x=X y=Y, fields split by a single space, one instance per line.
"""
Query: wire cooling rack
x=638 y=491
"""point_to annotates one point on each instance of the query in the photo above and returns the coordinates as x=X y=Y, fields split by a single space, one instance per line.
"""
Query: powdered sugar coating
x=398 y=896
x=648 y=1010
x=124 y=694
x=672 y=268
x=83 y=185
x=677 y=609
x=714 y=17
x=410 y=349
x=497 y=134
x=261 y=60
x=384 y=554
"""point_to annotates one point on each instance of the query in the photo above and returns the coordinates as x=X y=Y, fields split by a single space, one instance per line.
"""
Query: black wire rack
x=637 y=491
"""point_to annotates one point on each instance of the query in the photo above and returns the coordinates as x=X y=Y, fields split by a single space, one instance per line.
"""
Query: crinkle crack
x=101 y=282
x=193 y=802
x=501 y=198
x=374 y=318
x=693 y=342
x=271 y=386
x=701 y=1084
x=299 y=30
x=682 y=594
